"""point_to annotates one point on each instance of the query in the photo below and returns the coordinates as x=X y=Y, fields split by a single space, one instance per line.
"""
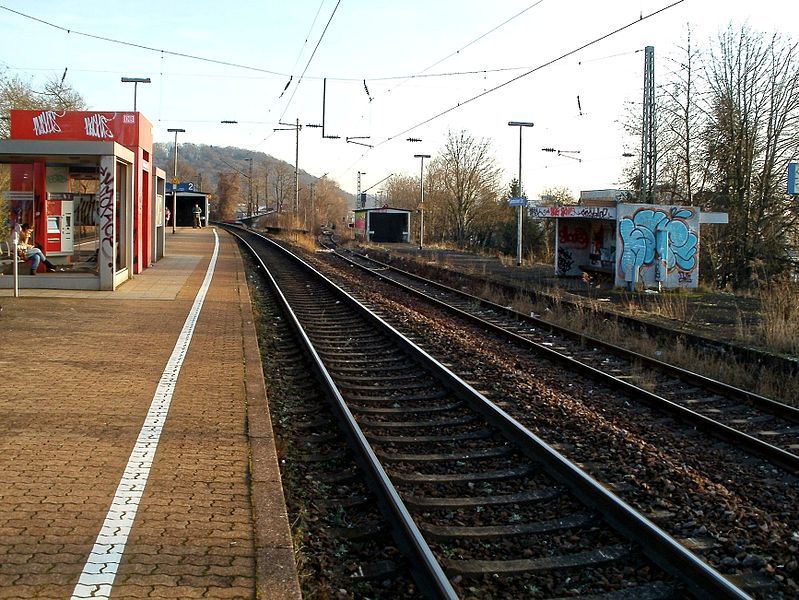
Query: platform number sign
x=793 y=181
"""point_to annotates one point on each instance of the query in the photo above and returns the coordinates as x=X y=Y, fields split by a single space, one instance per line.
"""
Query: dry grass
x=779 y=327
x=759 y=380
x=671 y=305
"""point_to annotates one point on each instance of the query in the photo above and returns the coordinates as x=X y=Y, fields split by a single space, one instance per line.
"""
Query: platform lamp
x=520 y=125
x=421 y=198
x=135 y=81
x=175 y=179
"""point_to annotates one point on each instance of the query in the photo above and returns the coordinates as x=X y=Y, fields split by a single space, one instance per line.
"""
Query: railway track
x=755 y=359
x=761 y=425
x=481 y=507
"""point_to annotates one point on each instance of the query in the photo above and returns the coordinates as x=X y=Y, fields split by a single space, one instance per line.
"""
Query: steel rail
x=768 y=451
x=753 y=355
x=661 y=548
x=428 y=573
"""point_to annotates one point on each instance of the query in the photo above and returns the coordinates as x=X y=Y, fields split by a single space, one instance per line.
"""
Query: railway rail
x=761 y=425
x=754 y=357
x=480 y=505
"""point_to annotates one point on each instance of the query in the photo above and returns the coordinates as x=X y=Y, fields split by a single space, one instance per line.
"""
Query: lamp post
x=249 y=189
x=175 y=179
x=421 y=198
x=520 y=125
x=135 y=81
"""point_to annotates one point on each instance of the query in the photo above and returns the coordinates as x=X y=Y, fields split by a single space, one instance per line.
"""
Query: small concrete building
x=383 y=225
x=652 y=243
x=181 y=203
x=86 y=184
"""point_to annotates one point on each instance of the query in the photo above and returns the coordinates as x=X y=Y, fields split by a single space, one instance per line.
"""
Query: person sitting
x=31 y=253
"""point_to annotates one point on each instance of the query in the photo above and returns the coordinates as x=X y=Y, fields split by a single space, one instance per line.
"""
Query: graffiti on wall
x=106 y=213
x=565 y=261
x=662 y=239
x=96 y=126
x=572 y=212
x=574 y=236
x=46 y=122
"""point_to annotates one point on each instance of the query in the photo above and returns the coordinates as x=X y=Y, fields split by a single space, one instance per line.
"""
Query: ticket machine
x=60 y=224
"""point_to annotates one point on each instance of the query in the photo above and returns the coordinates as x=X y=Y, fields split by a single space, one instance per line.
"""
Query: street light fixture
x=135 y=81
x=520 y=125
x=421 y=198
x=175 y=179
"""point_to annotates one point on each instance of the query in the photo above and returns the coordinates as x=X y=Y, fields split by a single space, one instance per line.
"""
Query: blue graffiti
x=654 y=233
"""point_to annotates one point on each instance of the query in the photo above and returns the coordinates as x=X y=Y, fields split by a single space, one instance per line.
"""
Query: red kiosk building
x=87 y=183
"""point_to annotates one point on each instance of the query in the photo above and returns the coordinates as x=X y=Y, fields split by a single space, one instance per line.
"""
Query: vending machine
x=60 y=223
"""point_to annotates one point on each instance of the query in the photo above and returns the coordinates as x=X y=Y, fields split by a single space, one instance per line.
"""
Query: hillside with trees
x=241 y=180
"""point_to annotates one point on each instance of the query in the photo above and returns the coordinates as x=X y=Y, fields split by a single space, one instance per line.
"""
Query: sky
x=389 y=70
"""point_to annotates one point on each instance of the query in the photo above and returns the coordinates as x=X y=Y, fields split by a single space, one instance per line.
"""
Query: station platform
x=136 y=451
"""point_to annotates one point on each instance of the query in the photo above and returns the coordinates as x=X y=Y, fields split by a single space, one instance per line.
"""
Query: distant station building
x=606 y=234
x=86 y=183
x=182 y=202
x=383 y=225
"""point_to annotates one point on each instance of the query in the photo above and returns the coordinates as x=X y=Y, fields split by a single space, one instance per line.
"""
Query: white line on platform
x=100 y=569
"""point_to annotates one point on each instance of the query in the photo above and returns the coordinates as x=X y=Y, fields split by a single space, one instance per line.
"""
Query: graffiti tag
x=584 y=212
x=106 y=213
x=97 y=126
x=46 y=122
x=565 y=261
x=576 y=237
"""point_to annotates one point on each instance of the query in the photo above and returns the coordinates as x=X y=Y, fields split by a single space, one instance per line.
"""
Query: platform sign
x=517 y=202
x=793 y=181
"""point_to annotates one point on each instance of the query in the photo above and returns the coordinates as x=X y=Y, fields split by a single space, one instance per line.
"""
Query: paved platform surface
x=135 y=462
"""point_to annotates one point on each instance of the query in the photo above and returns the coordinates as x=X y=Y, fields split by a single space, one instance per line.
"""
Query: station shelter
x=181 y=199
x=87 y=184
x=655 y=244
x=383 y=225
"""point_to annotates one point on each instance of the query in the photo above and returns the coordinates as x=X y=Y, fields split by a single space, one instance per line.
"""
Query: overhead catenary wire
x=308 y=64
x=531 y=71
x=280 y=74
x=141 y=46
x=474 y=41
x=299 y=54
x=517 y=78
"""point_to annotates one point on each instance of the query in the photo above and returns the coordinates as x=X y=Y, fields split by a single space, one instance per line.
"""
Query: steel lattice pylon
x=648 y=137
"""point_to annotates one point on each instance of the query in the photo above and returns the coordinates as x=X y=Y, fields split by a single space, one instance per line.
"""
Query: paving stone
x=63 y=453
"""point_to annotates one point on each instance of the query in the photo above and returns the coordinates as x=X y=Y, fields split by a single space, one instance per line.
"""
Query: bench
x=7 y=257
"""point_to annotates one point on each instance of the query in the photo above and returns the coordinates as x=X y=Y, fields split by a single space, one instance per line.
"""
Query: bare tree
x=281 y=181
x=680 y=122
x=470 y=177
x=331 y=204
x=228 y=194
x=402 y=191
x=19 y=94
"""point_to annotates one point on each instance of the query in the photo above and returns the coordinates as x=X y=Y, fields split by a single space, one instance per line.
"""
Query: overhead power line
x=141 y=46
x=308 y=64
x=531 y=71
x=474 y=41
x=486 y=34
